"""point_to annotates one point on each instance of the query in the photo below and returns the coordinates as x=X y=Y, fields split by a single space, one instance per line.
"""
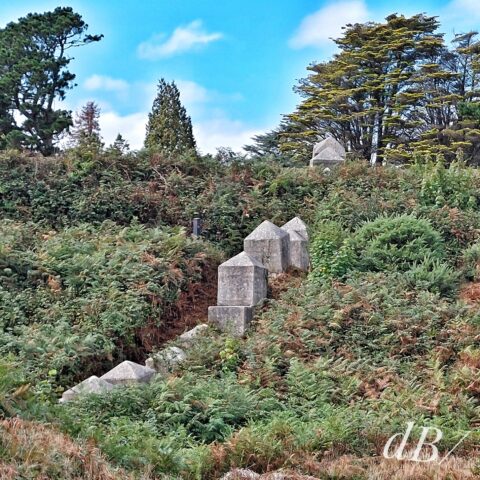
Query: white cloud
x=223 y=132
x=183 y=39
x=103 y=82
x=132 y=127
x=192 y=92
x=460 y=16
x=318 y=28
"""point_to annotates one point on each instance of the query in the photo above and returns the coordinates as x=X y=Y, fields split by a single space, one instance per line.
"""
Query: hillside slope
x=384 y=330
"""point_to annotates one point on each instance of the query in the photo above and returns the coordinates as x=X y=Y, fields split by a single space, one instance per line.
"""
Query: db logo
x=431 y=450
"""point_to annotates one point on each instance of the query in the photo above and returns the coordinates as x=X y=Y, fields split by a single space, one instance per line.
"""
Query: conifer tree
x=369 y=94
x=87 y=127
x=459 y=130
x=120 y=146
x=33 y=74
x=169 y=128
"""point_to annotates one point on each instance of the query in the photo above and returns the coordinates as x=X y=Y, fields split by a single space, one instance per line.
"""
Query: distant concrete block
x=298 y=225
x=232 y=319
x=299 y=257
x=166 y=360
x=242 y=281
x=189 y=337
x=327 y=153
x=128 y=373
x=269 y=245
x=92 y=384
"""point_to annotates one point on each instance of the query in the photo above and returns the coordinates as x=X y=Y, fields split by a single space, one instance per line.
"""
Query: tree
x=368 y=95
x=453 y=125
x=7 y=122
x=120 y=146
x=87 y=128
x=269 y=143
x=33 y=66
x=467 y=65
x=169 y=128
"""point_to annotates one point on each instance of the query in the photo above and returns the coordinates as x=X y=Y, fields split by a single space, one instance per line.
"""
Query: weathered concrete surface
x=232 y=319
x=189 y=337
x=166 y=360
x=128 y=373
x=242 y=281
x=92 y=384
x=329 y=152
x=299 y=257
x=269 y=245
x=298 y=225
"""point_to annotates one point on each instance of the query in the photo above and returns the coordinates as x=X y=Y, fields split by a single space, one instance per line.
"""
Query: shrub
x=330 y=254
x=74 y=301
x=433 y=275
x=470 y=262
x=395 y=243
x=459 y=228
x=453 y=186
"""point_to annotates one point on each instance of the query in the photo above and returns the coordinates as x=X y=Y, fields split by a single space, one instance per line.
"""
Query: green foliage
x=230 y=354
x=80 y=296
x=434 y=276
x=471 y=262
x=396 y=242
x=156 y=424
x=332 y=368
x=331 y=256
x=33 y=62
x=86 y=187
x=14 y=391
x=455 y=186
x=169 y=128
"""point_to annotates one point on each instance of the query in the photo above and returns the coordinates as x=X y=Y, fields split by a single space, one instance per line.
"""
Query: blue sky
x=235 y=62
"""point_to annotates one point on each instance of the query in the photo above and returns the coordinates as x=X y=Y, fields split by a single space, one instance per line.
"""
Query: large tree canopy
x=33 y=74
x=391 y=88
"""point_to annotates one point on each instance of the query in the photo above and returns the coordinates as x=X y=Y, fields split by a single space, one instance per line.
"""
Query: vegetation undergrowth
x=377 y=335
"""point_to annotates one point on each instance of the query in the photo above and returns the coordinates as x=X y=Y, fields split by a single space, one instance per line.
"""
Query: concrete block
x=92 y=384
x=232 y=319
x=298 y=225
x=269 y=245
x=128 y=373
x=242 y=281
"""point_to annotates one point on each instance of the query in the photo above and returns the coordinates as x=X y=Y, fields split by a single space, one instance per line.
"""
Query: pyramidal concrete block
x=92 y=384
x=297 y=225
x=328 y=152
x=242 y=281
x=331 y=143
x=269 y=245
x=234 y=320
x=128 y=373
x=299 y=257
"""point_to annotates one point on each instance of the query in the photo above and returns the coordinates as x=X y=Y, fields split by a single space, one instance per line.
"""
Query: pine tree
x=87 y=127
x=120 y=146
x=169 y=128
x=369 y=95
x=459 y=131
x=33 y=74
